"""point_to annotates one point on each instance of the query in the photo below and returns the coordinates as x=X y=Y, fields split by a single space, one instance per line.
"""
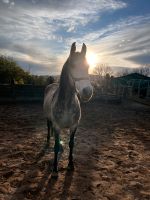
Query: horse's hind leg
x=71 y=145
x=56 y=150
x=49 y=129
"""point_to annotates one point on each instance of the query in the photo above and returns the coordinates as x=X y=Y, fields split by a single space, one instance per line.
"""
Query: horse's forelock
x=73 y=58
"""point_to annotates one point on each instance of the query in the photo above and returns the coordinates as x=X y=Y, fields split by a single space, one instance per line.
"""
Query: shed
x=138 y=84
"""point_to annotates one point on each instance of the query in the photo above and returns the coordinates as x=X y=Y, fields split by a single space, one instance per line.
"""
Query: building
x=133 y=84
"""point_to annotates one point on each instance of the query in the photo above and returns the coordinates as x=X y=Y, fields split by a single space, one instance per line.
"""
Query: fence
x=133 y=88
x=21 y=93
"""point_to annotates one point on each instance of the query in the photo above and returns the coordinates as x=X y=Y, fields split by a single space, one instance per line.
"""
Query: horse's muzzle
x=87 y=93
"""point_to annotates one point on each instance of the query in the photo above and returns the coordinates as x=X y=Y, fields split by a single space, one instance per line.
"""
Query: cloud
x=32 y=31
x=5 y=1
x=40 y=33
x=41 y=19
x=123 y=43
x=10 y=3
x=140 y=59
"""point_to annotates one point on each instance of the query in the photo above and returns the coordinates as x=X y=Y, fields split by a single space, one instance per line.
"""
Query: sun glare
x=92 y=59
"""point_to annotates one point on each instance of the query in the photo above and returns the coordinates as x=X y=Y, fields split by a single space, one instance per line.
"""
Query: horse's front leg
x=49 y=130
x=71 y=145
x=56 y=151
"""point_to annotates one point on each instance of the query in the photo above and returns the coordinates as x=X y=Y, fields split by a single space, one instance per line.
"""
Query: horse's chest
x=66 y=119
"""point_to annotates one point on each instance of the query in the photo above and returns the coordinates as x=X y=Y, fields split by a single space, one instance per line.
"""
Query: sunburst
x=92 y=60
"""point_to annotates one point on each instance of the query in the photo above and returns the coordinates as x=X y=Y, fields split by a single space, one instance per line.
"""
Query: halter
x=80 y=79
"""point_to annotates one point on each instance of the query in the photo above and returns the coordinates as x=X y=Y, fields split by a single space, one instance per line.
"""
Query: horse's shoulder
x=51 y=87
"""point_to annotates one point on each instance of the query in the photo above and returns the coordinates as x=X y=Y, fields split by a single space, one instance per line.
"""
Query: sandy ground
x=111 y=154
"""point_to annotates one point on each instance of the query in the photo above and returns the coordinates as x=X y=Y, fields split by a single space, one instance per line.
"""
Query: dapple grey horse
x=61 y=101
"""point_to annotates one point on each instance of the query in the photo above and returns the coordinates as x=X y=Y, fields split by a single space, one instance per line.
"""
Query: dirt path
x=111 y=155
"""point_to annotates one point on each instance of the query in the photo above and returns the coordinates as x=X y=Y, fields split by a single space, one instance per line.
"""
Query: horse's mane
x=66 y=86
x=64 y=82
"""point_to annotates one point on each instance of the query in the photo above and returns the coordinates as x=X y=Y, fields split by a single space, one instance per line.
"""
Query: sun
x=91 y=59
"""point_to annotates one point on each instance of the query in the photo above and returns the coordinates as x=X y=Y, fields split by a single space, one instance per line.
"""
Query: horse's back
x=48 y=97
x=50 y=88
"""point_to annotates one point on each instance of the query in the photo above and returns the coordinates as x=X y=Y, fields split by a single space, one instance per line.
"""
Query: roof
x=134 y=76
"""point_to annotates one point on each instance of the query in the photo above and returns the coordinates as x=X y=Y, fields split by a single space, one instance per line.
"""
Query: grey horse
x=61 y=101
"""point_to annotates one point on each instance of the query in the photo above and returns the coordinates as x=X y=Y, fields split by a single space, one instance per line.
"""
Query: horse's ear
x=73 y=48
x=83 y=50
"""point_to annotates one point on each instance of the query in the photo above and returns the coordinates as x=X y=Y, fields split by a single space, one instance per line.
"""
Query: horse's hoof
x=54 y=175
x=70 y=167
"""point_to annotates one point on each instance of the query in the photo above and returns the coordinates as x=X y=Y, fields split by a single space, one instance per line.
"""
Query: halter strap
x=80 y=79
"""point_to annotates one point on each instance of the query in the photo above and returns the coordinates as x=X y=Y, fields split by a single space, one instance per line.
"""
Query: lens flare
x=61 y=142
x=92 y=60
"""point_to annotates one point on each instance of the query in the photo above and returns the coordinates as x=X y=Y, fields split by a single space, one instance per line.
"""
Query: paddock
x=111 y=154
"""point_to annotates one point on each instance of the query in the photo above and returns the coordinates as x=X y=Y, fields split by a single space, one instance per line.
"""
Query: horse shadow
x=24 y=189
x=46 y=148
x=67 y=184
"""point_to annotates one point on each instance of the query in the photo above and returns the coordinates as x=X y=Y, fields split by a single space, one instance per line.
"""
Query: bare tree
x=104 y=73
x=123 y=72
x=102 y=70
x=144 y=70
x=98 y=70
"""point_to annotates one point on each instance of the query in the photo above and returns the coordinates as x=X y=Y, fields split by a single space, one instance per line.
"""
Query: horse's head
x=79 y=72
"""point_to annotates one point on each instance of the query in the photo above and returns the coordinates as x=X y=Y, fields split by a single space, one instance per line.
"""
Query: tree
x=98 y=70
x=10 y=71
x=50 y=80
x=102 y=70
x=123 y=72
x=38 y=80
x=104 y=73
x=144 y=70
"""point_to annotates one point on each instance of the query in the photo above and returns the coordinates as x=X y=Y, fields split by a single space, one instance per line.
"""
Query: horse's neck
x=67 y=90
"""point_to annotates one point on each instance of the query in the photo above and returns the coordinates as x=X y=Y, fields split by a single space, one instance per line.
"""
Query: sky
x=38 y=33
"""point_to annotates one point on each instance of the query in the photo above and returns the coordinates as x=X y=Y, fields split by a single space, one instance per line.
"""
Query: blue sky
x=38 y=34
